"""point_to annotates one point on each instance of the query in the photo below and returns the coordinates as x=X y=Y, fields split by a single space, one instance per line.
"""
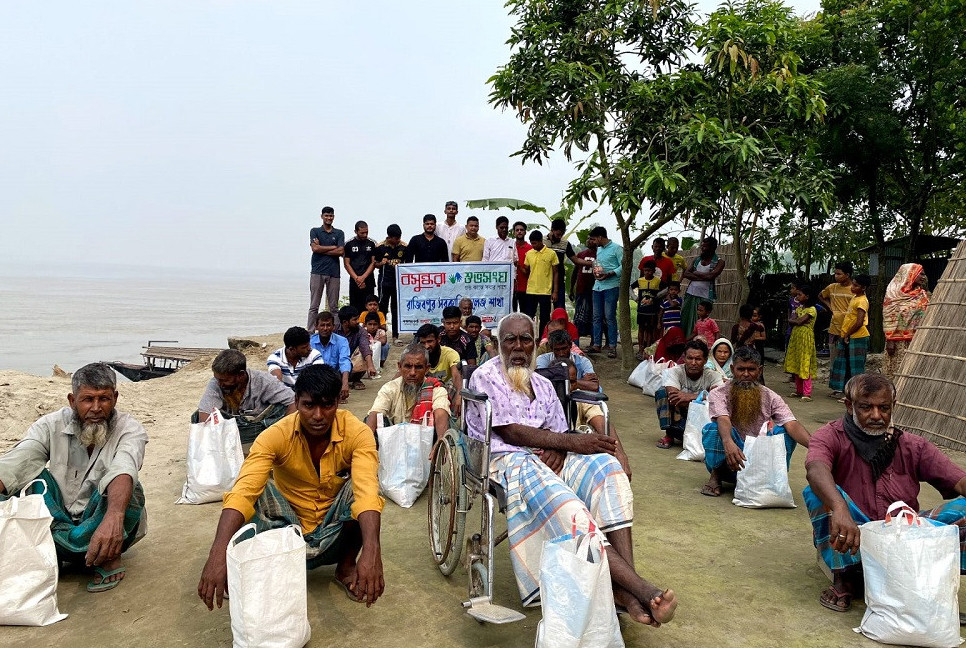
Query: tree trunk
x=877 y=292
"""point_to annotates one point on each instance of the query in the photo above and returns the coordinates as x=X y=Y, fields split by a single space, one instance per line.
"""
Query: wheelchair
x=460 y=476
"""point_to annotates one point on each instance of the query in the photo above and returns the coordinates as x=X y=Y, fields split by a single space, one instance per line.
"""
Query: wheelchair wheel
x=447 y=505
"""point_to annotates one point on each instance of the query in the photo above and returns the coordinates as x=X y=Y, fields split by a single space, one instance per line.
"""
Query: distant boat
x=160 y=360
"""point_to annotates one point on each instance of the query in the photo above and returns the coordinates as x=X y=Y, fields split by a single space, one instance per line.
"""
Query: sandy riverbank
x=745 y=578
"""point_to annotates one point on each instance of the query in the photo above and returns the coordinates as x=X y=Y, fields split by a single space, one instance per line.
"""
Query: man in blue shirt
x=327 y=245
x=607 y=272
x=334 y=349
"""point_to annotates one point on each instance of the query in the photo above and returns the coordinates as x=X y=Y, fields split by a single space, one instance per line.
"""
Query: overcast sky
x=210 y=134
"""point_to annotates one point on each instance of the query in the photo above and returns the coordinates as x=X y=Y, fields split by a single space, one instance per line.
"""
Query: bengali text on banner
x=425 y=289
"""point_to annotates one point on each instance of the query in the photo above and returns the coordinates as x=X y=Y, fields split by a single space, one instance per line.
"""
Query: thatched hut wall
x=931 y=383
x=726 y=286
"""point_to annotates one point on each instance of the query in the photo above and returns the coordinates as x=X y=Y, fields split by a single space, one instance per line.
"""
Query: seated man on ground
x=88 y=456
x=255 y=399
x=316 y=469
x=413 y=397
x=334 y=349
x=452 y=336
x=288 y=362
x=683 y=384
x=738 y=410
x=555 y=476
x=444 y=364
x=360 y=353
x=474 y=328
x=860 y=464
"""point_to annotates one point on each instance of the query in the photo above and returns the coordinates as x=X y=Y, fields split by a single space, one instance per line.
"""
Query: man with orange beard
x=555 y=477
x=739 y=409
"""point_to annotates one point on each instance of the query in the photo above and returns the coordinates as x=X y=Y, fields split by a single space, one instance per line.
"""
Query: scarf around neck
x=877 y=451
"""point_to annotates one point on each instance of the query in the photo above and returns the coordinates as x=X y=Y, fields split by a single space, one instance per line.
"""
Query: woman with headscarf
x=671 y=345
x=719 y=359
x=903 y=310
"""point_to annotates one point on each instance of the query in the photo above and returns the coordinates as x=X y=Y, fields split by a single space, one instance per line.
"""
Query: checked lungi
x=323 y=545
x=667 y=416
x=849 y=361
x=951 y=512
x=714 y=454
x=541 y=505
x=72 y=537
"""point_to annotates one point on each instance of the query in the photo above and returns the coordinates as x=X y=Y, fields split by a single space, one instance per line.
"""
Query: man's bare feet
x=663 y=605
x=635 y=610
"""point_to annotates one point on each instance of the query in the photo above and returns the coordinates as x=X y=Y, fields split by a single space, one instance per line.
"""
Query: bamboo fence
x=931 y=382
x=726 y=286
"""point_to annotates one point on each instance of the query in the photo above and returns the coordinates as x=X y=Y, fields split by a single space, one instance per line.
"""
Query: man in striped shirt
x=288 y=362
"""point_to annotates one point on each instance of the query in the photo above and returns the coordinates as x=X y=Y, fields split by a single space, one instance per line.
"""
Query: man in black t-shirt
x=389 y=254
x=564 y=250
x=452 y=336
x=360 y=263
x=427 y=247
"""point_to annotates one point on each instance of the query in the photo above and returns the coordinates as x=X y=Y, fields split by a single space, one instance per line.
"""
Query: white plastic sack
x=763 y=482
x=214 y=460
x=698 y=417
x=576 y=594
x=649 y=375
x=911 y=571
x=267 y=589
x=404 y=461
x=28 y=562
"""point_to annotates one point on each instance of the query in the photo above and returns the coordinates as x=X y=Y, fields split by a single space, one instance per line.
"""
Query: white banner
x=425 y=289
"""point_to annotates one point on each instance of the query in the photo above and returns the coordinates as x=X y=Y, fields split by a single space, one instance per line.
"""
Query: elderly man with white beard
x=552 y=477
x=92 y=454
x=738 y=409
x=860 y=464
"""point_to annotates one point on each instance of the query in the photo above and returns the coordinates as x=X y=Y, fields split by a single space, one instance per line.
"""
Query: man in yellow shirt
x=853 y=344
x=680 y=265
x=469 y=246
x=540 y=265
x=836 y=297
x=316 y=468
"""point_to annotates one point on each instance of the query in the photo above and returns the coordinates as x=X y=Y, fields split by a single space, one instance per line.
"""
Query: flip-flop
x=348 y=592
x=838 y=595
x=711 y=491
x=105 y=585
x=359 y=385
x=665 y=443
x=612 y=353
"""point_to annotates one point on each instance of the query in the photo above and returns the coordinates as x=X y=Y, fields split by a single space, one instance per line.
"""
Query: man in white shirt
x=449 y=229
x=288 y=362
x=500 y=248
x=92 y=454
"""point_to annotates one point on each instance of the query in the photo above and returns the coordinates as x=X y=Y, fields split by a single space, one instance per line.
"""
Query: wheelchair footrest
x=484 y=611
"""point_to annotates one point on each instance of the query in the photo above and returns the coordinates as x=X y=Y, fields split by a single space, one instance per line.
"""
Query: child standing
x=800 y=359
x=378 y=341
x=705 y=328
x=647 y=306
x=853 y=345
x=671 y=307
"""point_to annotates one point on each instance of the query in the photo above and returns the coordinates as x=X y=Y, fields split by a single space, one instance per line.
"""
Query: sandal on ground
x=835 y=394
x=665 y=443
x=711 y=491
x=105 y=585
x=795 y=395
x=398 y=342
x=348 y=592
x=836 y=595
x=359 y=385
x=612 y=352
x=842 y=400
x=806 y=399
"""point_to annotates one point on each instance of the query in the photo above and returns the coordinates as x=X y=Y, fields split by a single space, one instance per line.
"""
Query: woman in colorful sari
x=903 y=310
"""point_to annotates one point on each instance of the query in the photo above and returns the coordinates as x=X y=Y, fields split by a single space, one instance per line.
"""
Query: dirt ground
x=745 y=578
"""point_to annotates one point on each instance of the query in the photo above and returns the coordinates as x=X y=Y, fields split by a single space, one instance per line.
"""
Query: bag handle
x=701 y=396
x=902 y=512
x=215 y=417
x=235 y=539
x=23 y=491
